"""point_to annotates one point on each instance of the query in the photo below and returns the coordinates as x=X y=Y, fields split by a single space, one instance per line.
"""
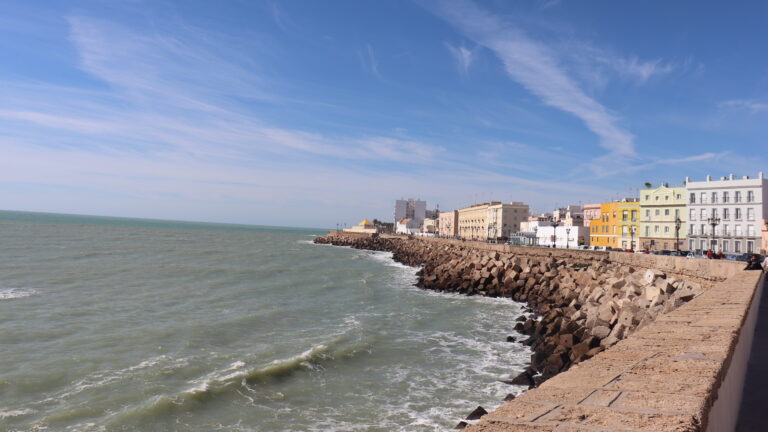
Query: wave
x=14 y=293
x=15 y=413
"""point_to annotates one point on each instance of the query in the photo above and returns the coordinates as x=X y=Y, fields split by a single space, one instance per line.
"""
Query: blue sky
x=308 y=113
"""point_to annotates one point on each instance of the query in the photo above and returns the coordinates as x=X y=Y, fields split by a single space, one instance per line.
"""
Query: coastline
x=578 y=305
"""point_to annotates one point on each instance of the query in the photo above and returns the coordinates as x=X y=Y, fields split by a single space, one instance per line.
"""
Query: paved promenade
x=665 y=377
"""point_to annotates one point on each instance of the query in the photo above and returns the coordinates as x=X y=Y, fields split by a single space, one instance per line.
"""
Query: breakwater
x=582 y=304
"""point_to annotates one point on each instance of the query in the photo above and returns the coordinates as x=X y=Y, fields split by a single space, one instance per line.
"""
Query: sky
x=308 y=113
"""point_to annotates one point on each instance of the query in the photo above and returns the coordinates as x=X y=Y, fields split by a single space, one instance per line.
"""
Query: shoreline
x=576 y=306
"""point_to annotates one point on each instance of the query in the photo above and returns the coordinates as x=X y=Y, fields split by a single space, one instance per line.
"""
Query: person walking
x=753 y=263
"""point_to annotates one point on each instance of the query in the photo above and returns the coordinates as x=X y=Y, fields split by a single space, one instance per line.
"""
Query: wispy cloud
x=463 y=57
x=535 y=66
x=746 y=104
x=369 y=61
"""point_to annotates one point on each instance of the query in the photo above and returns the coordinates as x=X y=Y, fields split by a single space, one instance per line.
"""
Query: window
x=725 y=197
x=678 y=196
x=647 y=231
x=657 y=212
x=750 y=196
x=666 y=197
x=714 y=197
x=692 y=198
x=647 y=197
x=703 y=214
x=750 y=214
x=647 y=213
x=655 y=229
x=750 y=230
x=737 y=214
x=677 y=213
x=726 y=230
x=692 y=244
x=737 y=196
x=657 y=197
x=702 y=229
x=692 y=215
x=714 y=213
x=726 y=215
x=666 y=212
x=704 y=245
x=737 y=246
x=725 y=246
x=737 y=231
x=666 y=229
x=690 y=230
x=703 y=197
x=750 y=246
x=624 y=215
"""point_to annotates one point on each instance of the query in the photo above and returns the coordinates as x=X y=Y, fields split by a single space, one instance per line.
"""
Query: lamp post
x=678 y=222
x=714 y=221
x=567 y=238
x=535 y=236
x=632 y=237
x=555 y=224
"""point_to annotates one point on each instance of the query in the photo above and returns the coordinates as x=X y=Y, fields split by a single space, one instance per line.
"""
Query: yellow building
x=628 y=224
x=603 y=230
x=365 y=226
x=663 y=218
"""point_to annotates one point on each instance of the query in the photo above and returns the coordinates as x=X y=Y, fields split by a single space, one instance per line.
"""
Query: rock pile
x=579 y=308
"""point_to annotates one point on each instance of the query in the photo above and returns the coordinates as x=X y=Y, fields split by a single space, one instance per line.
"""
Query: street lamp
x=567 y=238
x=535 y=236
x=714 y=221
x=632 y=238
x=678 y=222
x=555 y=224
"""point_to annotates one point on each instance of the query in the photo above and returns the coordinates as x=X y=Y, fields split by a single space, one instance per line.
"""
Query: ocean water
x=132 y=325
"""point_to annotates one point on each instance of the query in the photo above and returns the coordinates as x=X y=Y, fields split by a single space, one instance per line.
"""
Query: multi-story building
x=726 y=215
x=571 y=215
x=491 y=220
x=591 y=212
x=662 y=218
x=410 y=209
x=505 y=219
x=603 y=231
x=629 y=223
x=448 y=224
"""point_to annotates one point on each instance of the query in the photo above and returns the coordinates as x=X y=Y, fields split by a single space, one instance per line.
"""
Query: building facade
x=591 y=212
x=505 y=219
x=603 y=231
x=365 y=227
x=562 y=236
x=663 y=218
x=628 y=224
x=571 y=215
x=410 y=209
x=448 y=224
x=407 y=226
x=726 y=215
x=764 y=250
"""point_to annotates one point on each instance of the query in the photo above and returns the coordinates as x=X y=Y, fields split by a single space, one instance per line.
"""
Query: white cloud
x=463 y=57
x=746 y=104
x=535 y=66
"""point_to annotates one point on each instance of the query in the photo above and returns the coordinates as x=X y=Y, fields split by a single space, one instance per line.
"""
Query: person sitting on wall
x=709 y=254
x=753 y=263
x=720 y=255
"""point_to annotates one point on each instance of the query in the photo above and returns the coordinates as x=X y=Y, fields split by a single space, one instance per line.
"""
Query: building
x=505 y=219
x=726 y=215
x=562 y=236
x=628 y=224
x=365 y=226
x=603 y=231
x=491 y=220
x=591 y=212
x=410 y=209
x=408 y=226
x=662 y=218
x=571 y=215
x=429 y=226
x=448 y=224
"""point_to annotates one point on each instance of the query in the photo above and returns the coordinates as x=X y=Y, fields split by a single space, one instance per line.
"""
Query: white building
x=410 y=209
x=408 y=226
x=734 y=207
x=562 y=236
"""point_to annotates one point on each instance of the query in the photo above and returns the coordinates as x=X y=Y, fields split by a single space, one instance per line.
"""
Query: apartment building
x=491 y=220
x=663 y=218
x=448 y=224
x=628 y=223
x=603 y=231
x=726 y=214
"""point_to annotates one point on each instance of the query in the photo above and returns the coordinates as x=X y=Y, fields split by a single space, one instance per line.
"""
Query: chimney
x=730 y=176
x=745 y=177
x=687 y=180
x=760 y=175
x=709 y=178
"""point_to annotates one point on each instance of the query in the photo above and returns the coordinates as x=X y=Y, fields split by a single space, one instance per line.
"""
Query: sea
x=112 y=324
